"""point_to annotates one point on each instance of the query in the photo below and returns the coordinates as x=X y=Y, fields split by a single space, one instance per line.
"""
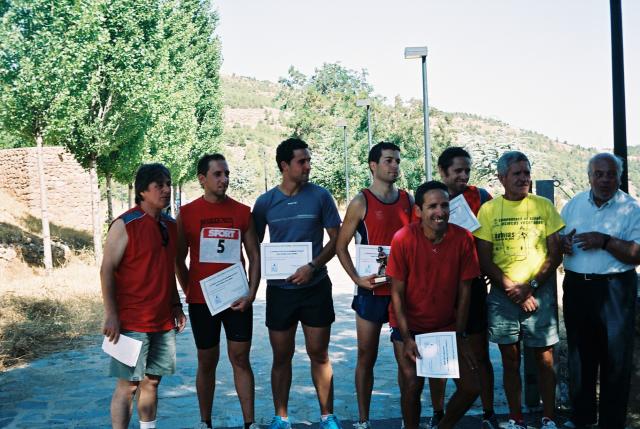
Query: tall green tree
x=46 y=54
x=187 y=107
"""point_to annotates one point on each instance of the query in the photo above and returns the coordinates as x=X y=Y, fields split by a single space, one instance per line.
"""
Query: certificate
x=126 y=350
x=438 y=355
x=371 y=259
x=460 y=214
x=279 y=261
x=225 y=287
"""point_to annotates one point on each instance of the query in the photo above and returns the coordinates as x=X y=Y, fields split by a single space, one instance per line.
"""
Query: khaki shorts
x=508 y=323
x=157 y=356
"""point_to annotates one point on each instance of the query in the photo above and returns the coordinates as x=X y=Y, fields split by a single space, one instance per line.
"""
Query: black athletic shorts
x=477 y=319
x=238 y=326
x=313 y=306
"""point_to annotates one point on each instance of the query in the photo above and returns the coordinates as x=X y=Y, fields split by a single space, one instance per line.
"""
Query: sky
x=542 y=65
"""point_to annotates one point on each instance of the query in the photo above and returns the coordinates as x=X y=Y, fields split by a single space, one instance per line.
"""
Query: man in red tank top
x=140 y=295
x=212 y=229
x=454 y=165
x=373 y=216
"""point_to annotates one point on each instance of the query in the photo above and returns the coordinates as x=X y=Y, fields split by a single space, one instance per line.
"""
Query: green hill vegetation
x=310 y=105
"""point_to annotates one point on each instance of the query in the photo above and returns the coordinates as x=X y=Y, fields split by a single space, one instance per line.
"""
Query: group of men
x=436 y=279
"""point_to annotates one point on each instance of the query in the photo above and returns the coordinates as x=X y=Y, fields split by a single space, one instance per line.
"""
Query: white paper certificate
x=126 y=350
x=439 y=355
x=460 y=214
x=225 y=287
x=280 y=260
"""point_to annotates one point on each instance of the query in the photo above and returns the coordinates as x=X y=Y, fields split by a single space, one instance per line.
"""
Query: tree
x=46 y=53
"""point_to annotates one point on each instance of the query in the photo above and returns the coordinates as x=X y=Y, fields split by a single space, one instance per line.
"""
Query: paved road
x=70 y=389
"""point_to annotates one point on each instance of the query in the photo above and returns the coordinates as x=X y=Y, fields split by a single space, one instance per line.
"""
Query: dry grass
x=41 y=315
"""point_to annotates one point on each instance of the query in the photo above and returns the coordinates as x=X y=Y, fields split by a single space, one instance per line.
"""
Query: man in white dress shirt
x=602 y=249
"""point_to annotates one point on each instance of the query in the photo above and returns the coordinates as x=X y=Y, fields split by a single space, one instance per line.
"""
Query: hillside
x=254 y=126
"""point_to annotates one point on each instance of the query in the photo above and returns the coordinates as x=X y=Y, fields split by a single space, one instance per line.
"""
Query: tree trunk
x=109 y=199
x=179 y=196
x=44 y=212
x=173 y=201
x=95 y=212
x=130 y=195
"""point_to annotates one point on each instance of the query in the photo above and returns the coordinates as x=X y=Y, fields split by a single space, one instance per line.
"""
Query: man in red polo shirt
x=432 y=264
x=212 y=229
x=140 y=295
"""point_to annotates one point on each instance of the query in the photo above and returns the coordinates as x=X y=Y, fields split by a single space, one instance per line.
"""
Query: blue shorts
x=157 y=356
x=374 y=308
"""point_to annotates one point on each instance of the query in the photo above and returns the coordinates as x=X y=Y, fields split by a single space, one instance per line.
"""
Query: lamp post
x=341 y=123
x=421 y=52
x=366 y=102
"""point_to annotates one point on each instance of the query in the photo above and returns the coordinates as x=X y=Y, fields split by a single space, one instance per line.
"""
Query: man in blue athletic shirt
x=299 y=211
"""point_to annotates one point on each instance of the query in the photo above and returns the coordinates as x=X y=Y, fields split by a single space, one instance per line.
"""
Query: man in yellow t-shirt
x=518 y=248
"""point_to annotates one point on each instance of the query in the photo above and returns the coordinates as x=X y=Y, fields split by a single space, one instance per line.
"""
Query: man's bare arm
x=355 y=213
x=398 y=288
x=114 y=247
x=251 y=246
x=627 y=252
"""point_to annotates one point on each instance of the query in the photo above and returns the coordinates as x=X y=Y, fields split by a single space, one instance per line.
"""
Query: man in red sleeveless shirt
x=140 y=295
x=212 y=229
x=374 y=215
x=454 y=165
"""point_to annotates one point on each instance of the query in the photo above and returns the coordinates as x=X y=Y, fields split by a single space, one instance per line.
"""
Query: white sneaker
x=254 y=426
x=201 y=425
x=547 y=423
x=512 y=424
x=363 y=425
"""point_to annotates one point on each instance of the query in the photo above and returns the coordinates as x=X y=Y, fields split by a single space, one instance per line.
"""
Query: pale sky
x=543 y=65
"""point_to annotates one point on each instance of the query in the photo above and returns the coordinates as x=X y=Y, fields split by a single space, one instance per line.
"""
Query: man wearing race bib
x=454 y=165
x=373 y=216
x=299 y=211
x=212 y=230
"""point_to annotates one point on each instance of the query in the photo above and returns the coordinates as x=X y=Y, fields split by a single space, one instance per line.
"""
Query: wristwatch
x=534 y=284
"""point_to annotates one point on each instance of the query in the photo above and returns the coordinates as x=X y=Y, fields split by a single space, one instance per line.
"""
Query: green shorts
x=508 y=323
x=157 y=356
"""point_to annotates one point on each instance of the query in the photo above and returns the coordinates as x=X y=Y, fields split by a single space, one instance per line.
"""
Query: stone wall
x=68 y=186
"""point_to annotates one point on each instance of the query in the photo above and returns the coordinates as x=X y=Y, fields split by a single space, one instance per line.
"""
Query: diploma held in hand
x=225 y=287
x=126 y=350
x=279 y=261
x=460 y=214
x=438 y=355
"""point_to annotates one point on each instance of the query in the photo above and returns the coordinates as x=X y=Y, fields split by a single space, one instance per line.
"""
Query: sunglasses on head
x=164 y=232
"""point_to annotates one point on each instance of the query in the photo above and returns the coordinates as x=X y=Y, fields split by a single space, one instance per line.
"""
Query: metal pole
x=346 y=164
x=369 y=124
x=425 y=112
x=617 y=75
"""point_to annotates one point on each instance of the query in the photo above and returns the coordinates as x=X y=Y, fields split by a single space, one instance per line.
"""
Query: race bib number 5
x=220 y=245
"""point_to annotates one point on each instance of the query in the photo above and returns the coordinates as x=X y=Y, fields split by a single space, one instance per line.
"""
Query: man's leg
x=511 y=375
x=242 y=376
x=437 y=388
x=468 y=389
x=480 y=349
x=368 y=342
x=618 y=319
x=122 y=403
x=317 y=344
x=206 y=380
x=148 y=398
x=410 y=387
x=546 y=379
x=283 y=346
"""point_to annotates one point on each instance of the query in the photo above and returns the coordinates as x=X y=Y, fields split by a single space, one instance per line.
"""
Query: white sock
x=148 y=425
x=324 y=417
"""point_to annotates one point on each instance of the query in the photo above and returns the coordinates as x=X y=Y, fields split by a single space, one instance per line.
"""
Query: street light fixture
x=362 y=103
x=421 y=52
x=341 y=123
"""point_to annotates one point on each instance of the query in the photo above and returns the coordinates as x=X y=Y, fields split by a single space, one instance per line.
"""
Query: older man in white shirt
x=602 y=249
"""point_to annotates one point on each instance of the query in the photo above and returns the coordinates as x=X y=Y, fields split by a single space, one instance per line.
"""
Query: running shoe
x=547 y=423
x=278 y=423
x=512 y=424
x=490 y=423
x=362 y=425
x=433 y=422
x=332 y=422
x=201 y=425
